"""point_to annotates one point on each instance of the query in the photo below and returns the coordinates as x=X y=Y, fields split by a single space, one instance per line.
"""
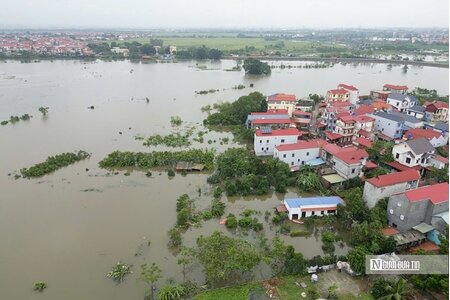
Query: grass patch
x=232 y=293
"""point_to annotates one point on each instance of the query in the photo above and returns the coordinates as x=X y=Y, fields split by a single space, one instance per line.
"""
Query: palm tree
x=397 y=290
x=171 y=292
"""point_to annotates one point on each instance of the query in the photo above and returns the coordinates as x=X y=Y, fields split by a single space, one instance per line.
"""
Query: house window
x=322 y=212
x=282 y=140
x=397 y=155
x=331 y=211
x=307 y=153
x=292 y=163
x=353 y=171
x=267 y=148
x=293 y=154
x=284 y=155
x=394 y=225
x=267 y=141
x=313 y=213
x=260 y=141
x=262 y=149
x=303 y=163
x=408 y=160
x=298 y=160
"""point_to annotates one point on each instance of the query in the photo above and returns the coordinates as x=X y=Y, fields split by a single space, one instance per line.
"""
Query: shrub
x=171 y=173
x=295 y=233
x=3 y=123
x=217 y=208
x=40 y=286
x=207 y=215
x=245 y=222
x=231 y=221
x=175 y=238
x=119 y=271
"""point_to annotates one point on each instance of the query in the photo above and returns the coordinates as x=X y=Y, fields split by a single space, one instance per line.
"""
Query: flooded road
x=69 y=228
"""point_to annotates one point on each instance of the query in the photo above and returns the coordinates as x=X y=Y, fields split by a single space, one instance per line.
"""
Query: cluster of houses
x=44 y=45
x=347 y=126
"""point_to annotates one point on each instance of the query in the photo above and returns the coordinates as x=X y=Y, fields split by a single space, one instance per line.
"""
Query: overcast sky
x=225 y=13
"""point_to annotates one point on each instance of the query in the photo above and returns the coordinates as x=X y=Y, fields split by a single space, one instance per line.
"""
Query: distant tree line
x=200 y=53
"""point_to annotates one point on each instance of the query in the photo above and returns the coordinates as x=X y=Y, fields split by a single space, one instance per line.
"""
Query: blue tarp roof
x=297 y=202
x=315 y=162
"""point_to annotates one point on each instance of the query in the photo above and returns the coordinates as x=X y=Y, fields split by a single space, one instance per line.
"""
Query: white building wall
x=386 y=126
x=290 y=106
x=265 y=145
x=297 y=157
x=345 y=170
x=317 y=212
x=373 y=194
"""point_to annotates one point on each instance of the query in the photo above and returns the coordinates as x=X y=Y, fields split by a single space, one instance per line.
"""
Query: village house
x=364 y=123
x=382 y=95
x=402 y=102
x=362 y=143
x=329 y=150
x=409 y=121
x=438 y=162
x=350 y=164
x=411 y=208
x=442 y=128
x=333 y=111
x=417 y=111
x=122 y=51
x=386 y=185
x=413 y=153
x=312 y=206
x=337 y=95
x=305 y=105
x=389 y=125
x=282 y=101
x=353 y=91
x=345 y=126
x=436 y=111
x=434 y=137
x=301 y=118
x=266 y=139
x=300 y=153
x=401 y=89
x=280 y=115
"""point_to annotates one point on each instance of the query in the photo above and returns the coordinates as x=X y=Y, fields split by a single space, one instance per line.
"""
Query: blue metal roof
x=297 y=202
x=315 y=162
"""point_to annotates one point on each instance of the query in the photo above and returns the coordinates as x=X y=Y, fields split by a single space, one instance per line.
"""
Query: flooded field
x=69 y=228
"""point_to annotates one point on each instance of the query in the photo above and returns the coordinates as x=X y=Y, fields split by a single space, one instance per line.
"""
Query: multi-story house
x=300 y=153
x=417 y=111
x=337 y=95
x=401 y=89
x=364 y=123
x=349 y=164
x=353 y=91
x=282 y=101
x=301 y=118
x=383 y=186
x=411 y=208
x=436 y=111
x=434 y=137
x=266 y=139
x=345 y=126
x=409 y=121
x=388 y=125
x=402 y=102
x=413 y=153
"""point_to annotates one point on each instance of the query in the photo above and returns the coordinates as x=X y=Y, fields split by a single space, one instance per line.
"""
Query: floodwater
x=69 y=228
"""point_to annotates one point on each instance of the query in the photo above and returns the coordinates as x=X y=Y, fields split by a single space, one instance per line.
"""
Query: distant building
x=382 y=95
x=270 y=114
x=436 y=111
x=312 y=206
x=302 y=118
x=266 y=139
x=386 y=185
x=402 y=89
x=411 y=208
x=413 y=153
x=442 y=128
x=402 y=102
x=123 y=51
x=282 y=101
x=299 y=153
x=438 y=162
x=172 y=50
x=353 y=91
x=337 y=95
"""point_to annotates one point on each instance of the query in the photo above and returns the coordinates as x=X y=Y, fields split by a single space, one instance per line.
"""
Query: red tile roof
x=280 y=132
x=333 y=148
x=363 y=142
x=282 y=97
x=300 y=145
x=395 y=87
x=435 y=105
x=400 y=167
x=427 y=246
x=271 y=121
x=370 y=165
x=347 y=119
x=436 y=193
x=363 y=119
x=272 y=112
x=340 y=104
x=352 y=157
x=332 y=136
x=389 y=231
x=417 y=133
x=338 y=92
x=441 y=159
x=364 y=109
x=364 y=133
x=302 y=113
x=394 y=178
x=347 y=87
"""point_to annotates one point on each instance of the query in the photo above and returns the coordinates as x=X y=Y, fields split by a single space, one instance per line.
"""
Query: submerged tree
x=150 y=275
x=43 y=110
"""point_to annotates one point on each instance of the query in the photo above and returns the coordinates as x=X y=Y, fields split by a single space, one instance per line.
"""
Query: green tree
x=237 y=257
x=215 y=54
x=185 y=258
x=440 y=175
x=395 y=289
x=43 y=110
x=309 y=182
x=175 y=239
x=357 y=259
x=148 y=49
x=150 y=275
x=256 y=67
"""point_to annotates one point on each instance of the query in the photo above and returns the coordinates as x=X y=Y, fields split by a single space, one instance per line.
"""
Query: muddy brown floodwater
x=70 y=227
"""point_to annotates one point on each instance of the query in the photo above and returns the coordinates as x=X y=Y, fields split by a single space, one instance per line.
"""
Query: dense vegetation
x=236 y=113
x=199 y=53
x=381 y=151
x=240 y=172
x=119 y=159
x=256 y=67
x=428 y=95
x=53 y=163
